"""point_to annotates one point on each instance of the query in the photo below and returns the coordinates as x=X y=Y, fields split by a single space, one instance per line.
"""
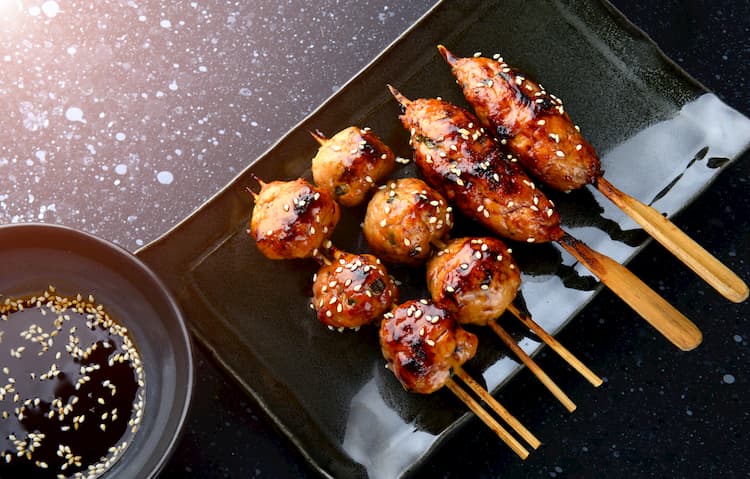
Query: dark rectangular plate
x=328 y=391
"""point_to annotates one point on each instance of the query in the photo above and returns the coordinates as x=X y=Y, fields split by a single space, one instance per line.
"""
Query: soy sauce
x=72 y=387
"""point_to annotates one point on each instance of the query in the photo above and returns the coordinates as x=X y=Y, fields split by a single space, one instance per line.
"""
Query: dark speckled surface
x=661 y=413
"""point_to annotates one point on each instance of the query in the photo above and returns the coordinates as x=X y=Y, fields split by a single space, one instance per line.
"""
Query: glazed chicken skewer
x=422 y=344
x=456 y=156
x=295 y=219
x=351 y=163
x=534 y=126
x=475 y=278
x=523 y=316
x=465 y=274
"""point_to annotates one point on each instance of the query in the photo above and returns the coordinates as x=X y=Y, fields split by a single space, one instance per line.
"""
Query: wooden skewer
x=645 y=301
x=553 y=343
x=703 y=263
x=319 y=137
x=533 y=367
x=502 y=433
x=546 y=380
x=504 y=414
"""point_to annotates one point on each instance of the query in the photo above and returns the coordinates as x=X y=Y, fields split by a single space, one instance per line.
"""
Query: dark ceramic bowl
x=33 y=256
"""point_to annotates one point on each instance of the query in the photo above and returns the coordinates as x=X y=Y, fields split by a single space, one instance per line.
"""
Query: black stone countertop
x=88 y=81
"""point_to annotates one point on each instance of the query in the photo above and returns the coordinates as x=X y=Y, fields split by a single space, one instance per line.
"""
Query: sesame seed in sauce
x=41 y=448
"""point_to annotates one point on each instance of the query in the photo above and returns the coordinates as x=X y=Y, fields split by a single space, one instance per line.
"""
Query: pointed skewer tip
x=449 y=57
x=319 y=137
x=398 y=96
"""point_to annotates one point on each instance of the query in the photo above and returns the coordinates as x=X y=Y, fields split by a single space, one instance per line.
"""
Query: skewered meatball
x=457 y=157
x=292 y=219
x=404 y=218
x=421 y=342
x=531 y=122
x=475 y=278
x=351 y=164
x=353 y=290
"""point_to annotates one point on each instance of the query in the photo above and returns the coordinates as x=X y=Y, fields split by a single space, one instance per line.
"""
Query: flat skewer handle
x=664 y=317
x=504 y=414
x=488 y=420
x=693 y=255
x=553 y=343
x=533 y=367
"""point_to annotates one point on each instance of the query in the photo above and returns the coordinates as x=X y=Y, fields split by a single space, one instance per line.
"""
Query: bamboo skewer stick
x=501 y=432
x=693 y=255
x=499 y=409
x=553 y=343
x=533 y=367
x=645 y=301
x=319 y=137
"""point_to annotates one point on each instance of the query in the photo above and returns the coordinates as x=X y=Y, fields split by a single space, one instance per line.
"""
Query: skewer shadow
x=580 y=208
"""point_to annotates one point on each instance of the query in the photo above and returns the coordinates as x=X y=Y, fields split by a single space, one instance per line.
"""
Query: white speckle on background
x=728 y=379
x=34 y=11
x=121 y=169
x=165 y=23
x=50 y=8
x=41 y=155
x=173 y=85
x=33 y=118
x=120 y=136
x=244 y=91
x=72 y=50
x=737 y=338
x=165 y=177
x=74 y=114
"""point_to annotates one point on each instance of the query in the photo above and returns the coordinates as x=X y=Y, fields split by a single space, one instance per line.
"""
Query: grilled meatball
x=353 y=290
x=474 y=278
x=292 y=219
x=457 y=157
x=404 y=218
x=351 y=164
x=530 y=121
x=421 y=342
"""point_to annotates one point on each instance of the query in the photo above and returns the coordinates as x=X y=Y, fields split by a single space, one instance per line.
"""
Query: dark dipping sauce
x=71 y=387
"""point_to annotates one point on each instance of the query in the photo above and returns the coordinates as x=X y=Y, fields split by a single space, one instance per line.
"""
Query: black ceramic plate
x=34 y=256
x=662 y=138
